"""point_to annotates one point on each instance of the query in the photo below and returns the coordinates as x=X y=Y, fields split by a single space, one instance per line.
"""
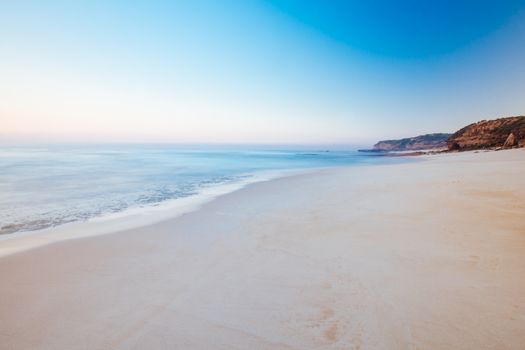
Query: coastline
x=412 y=255
x=133 y=218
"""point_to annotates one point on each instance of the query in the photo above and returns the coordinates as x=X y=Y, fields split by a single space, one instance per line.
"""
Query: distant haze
x=271 y=72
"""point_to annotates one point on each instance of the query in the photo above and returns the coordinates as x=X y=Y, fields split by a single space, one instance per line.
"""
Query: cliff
x=486 y=134
x=422 y=142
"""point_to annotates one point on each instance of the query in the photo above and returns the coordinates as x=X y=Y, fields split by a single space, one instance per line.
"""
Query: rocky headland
x=502 y=133
x=489 y=134
x=417 y=143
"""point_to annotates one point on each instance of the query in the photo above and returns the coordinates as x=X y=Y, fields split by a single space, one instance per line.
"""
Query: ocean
x=50 y=186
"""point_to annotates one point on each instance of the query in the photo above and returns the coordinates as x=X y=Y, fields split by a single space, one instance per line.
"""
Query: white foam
x=132 y=217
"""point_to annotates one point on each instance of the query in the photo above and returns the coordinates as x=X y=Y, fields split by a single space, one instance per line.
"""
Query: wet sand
x=425 y=255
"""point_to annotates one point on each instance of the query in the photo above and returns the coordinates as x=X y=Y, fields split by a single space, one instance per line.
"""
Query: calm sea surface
x=44 y=187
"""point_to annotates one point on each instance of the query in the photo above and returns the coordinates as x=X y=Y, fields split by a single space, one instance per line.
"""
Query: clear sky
x=347 y=72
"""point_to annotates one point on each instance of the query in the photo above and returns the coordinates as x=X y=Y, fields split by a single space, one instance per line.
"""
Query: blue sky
x=330 y=72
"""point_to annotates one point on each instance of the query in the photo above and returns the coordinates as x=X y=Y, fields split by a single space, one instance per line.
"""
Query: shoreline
x=411 y=255
x=137 y=217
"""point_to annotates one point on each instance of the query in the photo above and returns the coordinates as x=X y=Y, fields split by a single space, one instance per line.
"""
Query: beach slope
x=422 y=255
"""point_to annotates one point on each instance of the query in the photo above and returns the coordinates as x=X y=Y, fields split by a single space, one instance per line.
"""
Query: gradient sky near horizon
x=306 y=72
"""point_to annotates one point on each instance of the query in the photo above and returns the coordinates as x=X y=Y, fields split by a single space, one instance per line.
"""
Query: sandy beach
x=423 y=255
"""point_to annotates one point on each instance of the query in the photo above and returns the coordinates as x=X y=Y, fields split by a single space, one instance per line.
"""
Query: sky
x=254 y=71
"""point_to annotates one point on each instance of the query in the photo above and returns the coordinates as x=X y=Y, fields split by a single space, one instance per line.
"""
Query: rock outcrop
x=422 y=142
x=489 y=134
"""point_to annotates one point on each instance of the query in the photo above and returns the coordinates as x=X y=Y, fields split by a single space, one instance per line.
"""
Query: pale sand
x=427 y=255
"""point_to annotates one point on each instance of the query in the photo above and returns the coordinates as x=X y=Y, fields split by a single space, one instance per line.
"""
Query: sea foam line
x=133 y=217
